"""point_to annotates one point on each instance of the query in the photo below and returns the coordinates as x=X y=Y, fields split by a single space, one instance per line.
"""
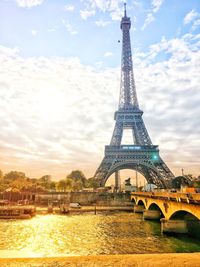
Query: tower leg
x=117 y=182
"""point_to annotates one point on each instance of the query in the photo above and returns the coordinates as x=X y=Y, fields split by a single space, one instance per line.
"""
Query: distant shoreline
x=134 y=260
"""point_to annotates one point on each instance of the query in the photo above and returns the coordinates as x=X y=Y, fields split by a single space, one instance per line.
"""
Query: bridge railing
x=191 y=198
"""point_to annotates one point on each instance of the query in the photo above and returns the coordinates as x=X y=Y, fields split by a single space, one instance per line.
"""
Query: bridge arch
x=183 y=215
x=142 y=167
x=141 y=203
x=133 y=200
x=156 y=207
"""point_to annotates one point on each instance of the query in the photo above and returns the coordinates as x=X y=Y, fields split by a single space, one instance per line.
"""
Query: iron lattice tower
x=142 y=155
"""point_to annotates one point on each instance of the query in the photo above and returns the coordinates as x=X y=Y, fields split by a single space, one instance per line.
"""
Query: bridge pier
x=151 y=214
x=174 y=226
x=194 y=228
x=190 y=227
x=138 y=208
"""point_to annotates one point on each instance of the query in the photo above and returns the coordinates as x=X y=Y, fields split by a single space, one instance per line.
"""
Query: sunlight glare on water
x=88 y=234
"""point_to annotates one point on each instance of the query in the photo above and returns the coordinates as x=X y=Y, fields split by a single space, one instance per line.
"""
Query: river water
x=88 y=234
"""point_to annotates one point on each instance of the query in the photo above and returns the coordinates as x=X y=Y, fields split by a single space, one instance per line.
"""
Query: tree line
x=74 y=181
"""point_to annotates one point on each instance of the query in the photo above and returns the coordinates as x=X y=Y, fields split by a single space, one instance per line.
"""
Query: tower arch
x=142 y=167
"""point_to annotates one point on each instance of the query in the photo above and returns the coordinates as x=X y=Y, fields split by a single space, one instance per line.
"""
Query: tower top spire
x=124 y=9
x=128 y=97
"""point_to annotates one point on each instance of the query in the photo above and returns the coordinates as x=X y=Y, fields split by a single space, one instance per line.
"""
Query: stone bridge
x=177 y=212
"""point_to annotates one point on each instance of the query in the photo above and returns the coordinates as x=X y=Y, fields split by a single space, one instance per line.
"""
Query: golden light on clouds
x=51 y=103
x=57 y=114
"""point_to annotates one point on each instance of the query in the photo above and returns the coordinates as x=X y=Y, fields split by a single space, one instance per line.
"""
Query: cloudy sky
x=60 y=77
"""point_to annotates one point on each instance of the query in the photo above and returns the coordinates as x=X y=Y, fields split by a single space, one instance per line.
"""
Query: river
x=88 y=234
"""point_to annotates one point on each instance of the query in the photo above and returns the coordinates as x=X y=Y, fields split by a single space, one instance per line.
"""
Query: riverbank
x=85 y=209
x=135 y=260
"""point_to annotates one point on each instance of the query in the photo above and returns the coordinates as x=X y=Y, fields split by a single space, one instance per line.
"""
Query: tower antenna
x=124 y=9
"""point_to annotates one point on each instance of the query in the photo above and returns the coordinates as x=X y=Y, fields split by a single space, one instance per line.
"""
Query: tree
x=69 y=183
x=52 y=186
x=15 y=179
x=77 y=185
x=178 y=181
x=14 y=175
x=2 y=184
x=196 y=184
x=1 y=175
x=93 y=183
x=20 y=183
x=62 y=185
x=45 y=181
x=77 y=175
x=189 y=177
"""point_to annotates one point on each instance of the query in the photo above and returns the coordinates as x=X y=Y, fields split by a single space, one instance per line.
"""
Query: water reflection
x=88 y=234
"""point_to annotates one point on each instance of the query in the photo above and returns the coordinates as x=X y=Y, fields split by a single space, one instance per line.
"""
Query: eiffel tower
x=142 y=155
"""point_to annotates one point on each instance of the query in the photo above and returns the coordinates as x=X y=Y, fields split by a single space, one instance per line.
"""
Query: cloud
x=51 y=29
x=69 y=27
x=155 y=7
x=196 y=24
x=57 y=114
x=48 y=114
x=190 y=16
x=108 y=54
x=194 y=18
x=87 y=13
x=116 y=15
x=156 y=4
x=102 y=23
x=69 y=8
x=149 y=18
x=8 y=52
x=34 y=32
x=114 y=7
x=178 y=99
x=28 y=3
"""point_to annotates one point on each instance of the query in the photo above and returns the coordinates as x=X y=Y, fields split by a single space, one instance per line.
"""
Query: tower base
x=144 y=159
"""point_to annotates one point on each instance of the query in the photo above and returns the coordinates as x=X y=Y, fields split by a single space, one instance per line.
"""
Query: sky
x=60 y=81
